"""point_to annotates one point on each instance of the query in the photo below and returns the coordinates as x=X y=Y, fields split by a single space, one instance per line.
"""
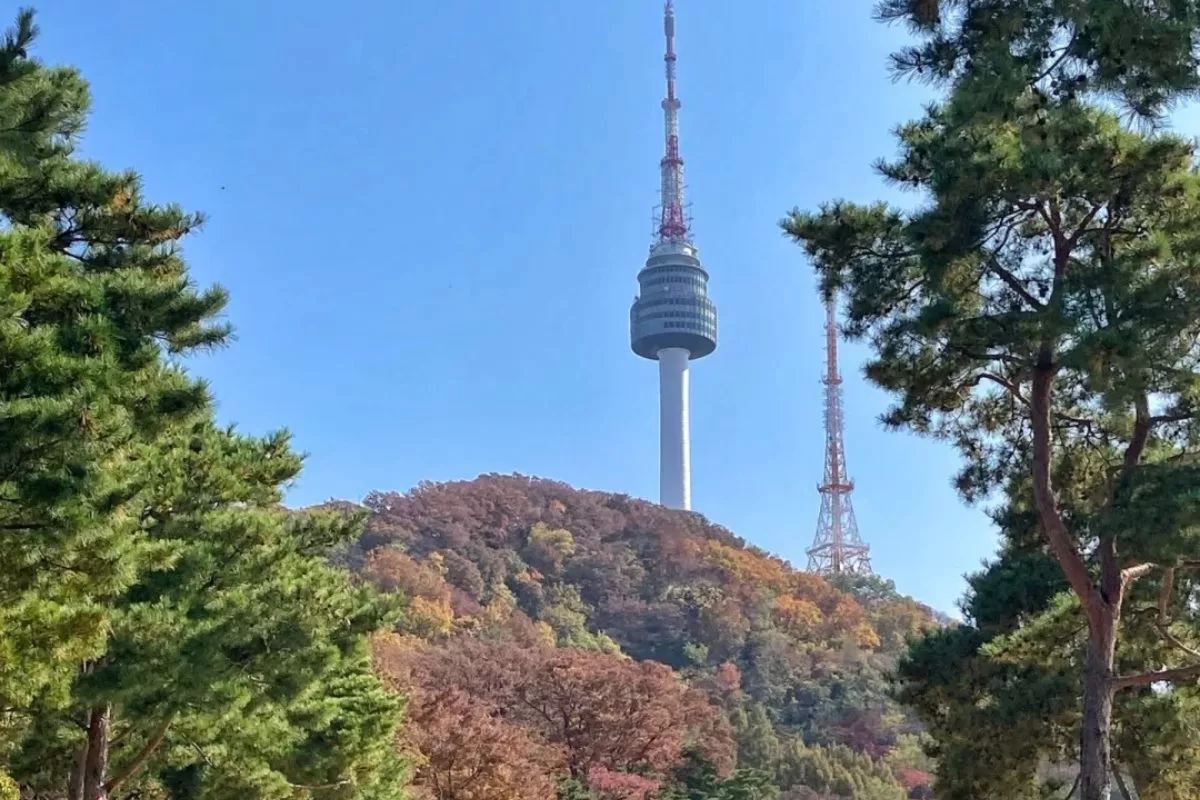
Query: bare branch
x=1164 y=595
x=1164 y=615
x=1063 y=54
x=1131 y=574
x=1082 y=227
x=1180 y=675
x=1011 y=387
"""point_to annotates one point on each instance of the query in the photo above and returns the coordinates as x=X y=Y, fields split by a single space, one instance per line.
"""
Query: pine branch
x=143 y=756
x=1061 y=544
x=1014 y=283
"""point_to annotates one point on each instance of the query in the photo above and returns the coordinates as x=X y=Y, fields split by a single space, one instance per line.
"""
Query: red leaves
x=621 y=785
x=520 y=710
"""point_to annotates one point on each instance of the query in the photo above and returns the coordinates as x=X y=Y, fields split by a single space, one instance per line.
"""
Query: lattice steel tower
x=837 y=548
x=672 y=320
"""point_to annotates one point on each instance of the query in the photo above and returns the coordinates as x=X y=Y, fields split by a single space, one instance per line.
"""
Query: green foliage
x=1014 y=666
x=995 y=50
x=164 y=623
x=697 y=779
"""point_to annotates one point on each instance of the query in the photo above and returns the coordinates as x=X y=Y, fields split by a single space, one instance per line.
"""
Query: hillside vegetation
x=611 y=643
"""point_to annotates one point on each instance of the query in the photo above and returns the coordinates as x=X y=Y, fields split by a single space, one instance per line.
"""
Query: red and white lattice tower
x=837 y=548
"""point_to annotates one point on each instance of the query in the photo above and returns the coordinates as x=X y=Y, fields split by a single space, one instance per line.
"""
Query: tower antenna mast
x=673 y=224
x=837 y=548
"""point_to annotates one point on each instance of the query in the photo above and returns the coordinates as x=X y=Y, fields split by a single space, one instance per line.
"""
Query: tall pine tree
x=1040 y=310
x=165 y=626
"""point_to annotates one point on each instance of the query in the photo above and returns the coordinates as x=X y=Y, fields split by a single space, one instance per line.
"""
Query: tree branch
x=1180 y=675
x=143 y=756
x=1164 y=616
x=1121 y=782
x=1141 y=434
x=1182 y=416
x=1014 y=283
x=1131 y=574
x=1055 y=529
x=1011 y=387
x=1175 y=640
x=1164 y=595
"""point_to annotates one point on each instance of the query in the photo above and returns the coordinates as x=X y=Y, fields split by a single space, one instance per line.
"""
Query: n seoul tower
x=672 y=320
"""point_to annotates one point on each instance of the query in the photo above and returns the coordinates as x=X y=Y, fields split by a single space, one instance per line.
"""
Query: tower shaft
x=837 y=547
x=675 y=457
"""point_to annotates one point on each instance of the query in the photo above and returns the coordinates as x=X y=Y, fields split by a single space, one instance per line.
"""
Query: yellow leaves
x=428 y=619
x=545 y=635
x=864 y=636
x=8 y=788
x=749 y=566
x=798 y=617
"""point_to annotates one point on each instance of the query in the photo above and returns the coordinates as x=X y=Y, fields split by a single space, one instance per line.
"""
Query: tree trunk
x=95 y=773
x=75 y=787
x=1095 y=765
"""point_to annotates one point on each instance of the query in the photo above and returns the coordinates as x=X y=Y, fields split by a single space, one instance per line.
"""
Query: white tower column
x=675 y=457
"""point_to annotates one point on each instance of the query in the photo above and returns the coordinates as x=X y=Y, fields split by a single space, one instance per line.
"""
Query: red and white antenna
x=837 y=548
x=673 y=224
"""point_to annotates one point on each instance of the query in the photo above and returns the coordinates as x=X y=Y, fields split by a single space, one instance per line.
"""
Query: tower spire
x=672 y=225
x=837 y=548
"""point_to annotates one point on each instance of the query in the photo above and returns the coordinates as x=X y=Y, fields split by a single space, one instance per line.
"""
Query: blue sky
x=430 y=216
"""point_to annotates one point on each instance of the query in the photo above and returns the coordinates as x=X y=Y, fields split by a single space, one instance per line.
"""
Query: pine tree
x=92 y=291
x=164 y=624
x=1040 y=311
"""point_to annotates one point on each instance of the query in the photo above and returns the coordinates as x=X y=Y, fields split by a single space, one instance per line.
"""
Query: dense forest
x=665 y=640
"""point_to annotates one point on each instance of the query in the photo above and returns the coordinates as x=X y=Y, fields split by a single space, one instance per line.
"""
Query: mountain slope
x=794 y=662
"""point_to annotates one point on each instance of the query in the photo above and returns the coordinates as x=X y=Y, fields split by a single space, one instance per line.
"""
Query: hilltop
x=793 y=668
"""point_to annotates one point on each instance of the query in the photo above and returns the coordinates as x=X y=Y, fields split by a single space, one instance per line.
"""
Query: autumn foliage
x=497 y=720
x=564 y=635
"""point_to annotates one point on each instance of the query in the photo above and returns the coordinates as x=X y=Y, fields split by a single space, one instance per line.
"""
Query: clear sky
x=431 y=215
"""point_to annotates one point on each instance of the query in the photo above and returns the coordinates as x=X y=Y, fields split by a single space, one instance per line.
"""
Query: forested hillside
x=544 y=623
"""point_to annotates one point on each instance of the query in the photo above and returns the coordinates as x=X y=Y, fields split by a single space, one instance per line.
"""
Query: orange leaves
x=393 y=571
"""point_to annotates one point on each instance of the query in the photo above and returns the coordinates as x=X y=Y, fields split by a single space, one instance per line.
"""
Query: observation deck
x=672 y=309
